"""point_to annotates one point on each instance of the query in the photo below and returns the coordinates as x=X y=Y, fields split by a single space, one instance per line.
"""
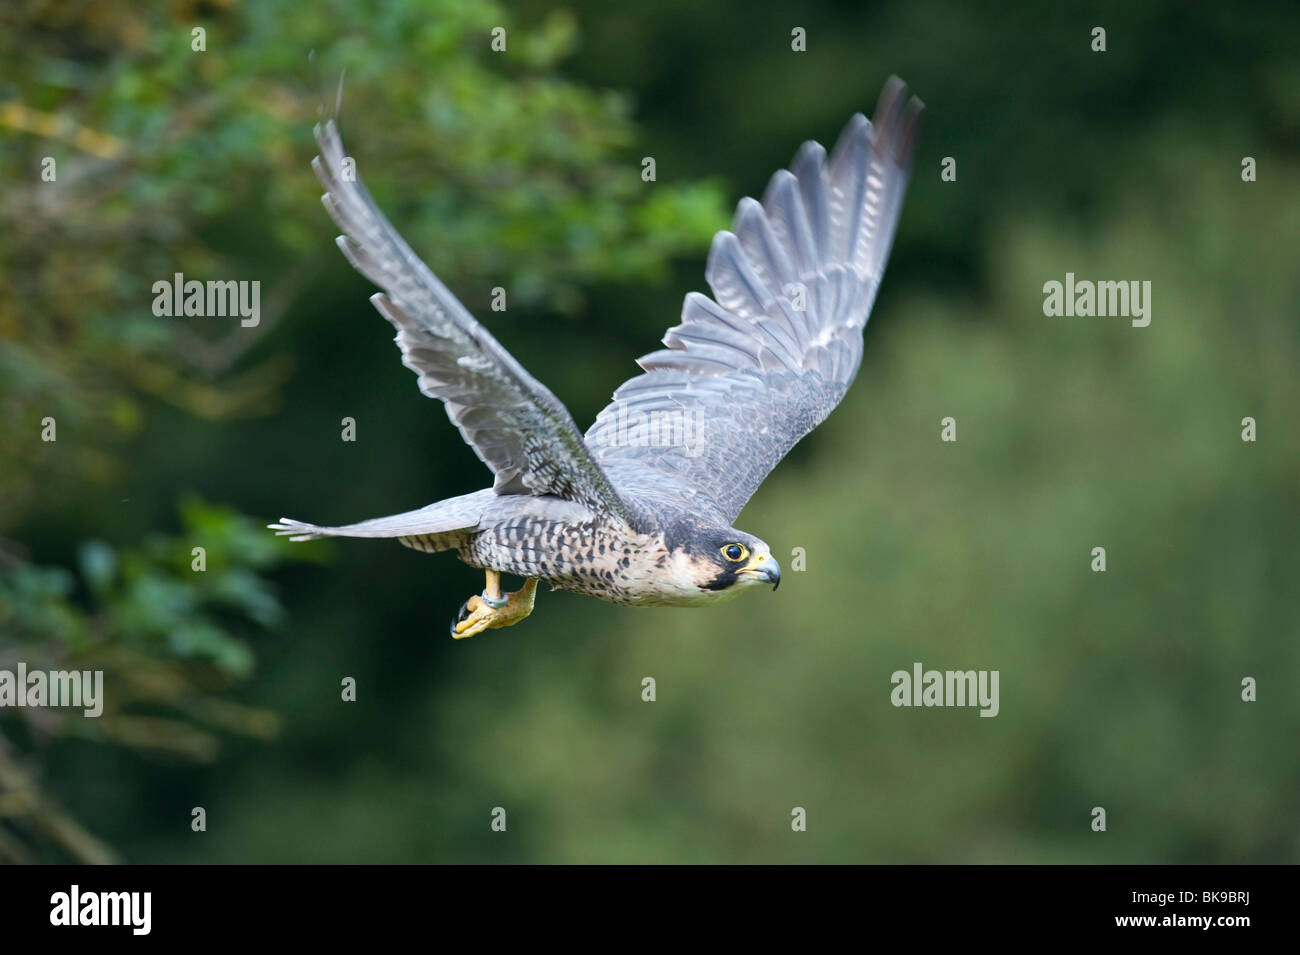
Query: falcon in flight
x=638 y=511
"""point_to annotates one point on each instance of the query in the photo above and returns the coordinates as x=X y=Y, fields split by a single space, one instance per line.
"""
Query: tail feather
x=453 y=517
x=301 y=530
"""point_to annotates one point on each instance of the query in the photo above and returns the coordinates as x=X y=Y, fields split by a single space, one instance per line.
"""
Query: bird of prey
x=639 y=510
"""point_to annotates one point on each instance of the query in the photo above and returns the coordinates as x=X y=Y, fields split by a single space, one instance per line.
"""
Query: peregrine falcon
x=638 y=511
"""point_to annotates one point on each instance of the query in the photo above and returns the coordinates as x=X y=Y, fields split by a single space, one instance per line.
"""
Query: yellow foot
x=477 y=614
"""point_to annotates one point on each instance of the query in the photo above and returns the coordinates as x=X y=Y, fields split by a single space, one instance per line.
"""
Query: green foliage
x=167 y=637
x=171 y=160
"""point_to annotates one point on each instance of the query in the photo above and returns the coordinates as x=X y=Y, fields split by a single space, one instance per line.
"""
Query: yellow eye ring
x=735 y=552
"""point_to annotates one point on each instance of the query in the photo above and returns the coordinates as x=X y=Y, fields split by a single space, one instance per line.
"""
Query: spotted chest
x=592 y=558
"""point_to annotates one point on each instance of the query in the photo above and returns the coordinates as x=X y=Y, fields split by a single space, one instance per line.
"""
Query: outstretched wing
x=746 y=376
x=516 y=426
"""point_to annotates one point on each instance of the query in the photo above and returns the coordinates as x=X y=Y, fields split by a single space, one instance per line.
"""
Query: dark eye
x=735 y=552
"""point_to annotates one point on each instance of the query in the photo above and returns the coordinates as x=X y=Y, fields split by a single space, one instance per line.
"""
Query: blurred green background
x=522 y=169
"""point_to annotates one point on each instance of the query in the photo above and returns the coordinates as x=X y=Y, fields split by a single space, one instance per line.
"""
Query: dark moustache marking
x=722 y=581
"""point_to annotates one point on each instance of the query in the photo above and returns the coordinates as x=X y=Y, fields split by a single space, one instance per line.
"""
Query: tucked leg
x=493 y=609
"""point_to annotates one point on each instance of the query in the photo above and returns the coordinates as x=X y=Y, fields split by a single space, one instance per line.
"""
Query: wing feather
x=751 y=371
x=515 y=425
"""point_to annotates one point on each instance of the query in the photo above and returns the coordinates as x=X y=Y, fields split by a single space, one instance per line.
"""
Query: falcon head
x=718 y=562
x=742 y=560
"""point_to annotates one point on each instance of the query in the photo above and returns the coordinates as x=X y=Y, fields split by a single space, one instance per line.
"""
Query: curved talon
x=461 y=615
x=482 y=612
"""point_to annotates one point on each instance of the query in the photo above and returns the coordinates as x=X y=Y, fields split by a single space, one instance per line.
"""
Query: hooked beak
x=765 y=566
